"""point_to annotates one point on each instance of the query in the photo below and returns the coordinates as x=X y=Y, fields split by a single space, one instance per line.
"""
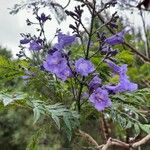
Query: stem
x=79 y=96
x=91 y=30
x=86 y=55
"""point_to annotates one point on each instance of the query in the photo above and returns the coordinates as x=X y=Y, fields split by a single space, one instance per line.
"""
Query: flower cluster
x=34 y=44
x=58 y=62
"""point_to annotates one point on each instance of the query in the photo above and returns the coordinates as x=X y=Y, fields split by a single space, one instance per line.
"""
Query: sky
x=12 y=25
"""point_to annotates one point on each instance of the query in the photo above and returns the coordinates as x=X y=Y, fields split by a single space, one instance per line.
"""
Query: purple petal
x=84 y=67
x=35 y=46
x=24 y=41
x=99 y=98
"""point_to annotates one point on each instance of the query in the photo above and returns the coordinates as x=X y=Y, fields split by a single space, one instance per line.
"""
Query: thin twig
x=141 y=142
x=67 y=4
x=88 y=137
x=144 y=58
x=113 y=142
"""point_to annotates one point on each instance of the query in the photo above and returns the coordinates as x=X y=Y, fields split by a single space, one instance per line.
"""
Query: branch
x=88 y=137
x=144 y=58
x=141 y=142
x=115 y=142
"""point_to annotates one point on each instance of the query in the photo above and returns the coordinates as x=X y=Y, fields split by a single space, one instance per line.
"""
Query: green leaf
x=129 y=125
x=9 y=98
x=137 y=129
x=57 y=112
x=56 y=119
x=37 y=114
x=145 y=127
x=67 y=122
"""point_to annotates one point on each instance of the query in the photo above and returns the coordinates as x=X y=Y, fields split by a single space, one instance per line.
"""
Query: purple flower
x=124 y=83
x=57 y=64
x=84 y=67
x=39 y=41
x=117 y=38
x=54 y=62
x=113 y=66
x=122 y=86
x=64 y=40
x=35 y=46
x=94 y=83
x=99 y=98
x=65 y=73
x=25 y=41
x=108 y=50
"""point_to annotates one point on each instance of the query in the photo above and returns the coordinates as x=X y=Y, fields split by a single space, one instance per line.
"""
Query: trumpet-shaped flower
x=84 y=67
x=64 y=40
x=35 y=46
x=99 y=98
x=57 y=64
x=117 y=38
x=124 y=83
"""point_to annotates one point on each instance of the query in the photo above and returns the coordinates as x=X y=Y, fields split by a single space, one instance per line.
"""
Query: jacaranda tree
x=79 y=87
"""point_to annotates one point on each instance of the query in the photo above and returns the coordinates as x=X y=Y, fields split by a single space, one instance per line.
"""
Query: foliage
x=126 y=110
x=73 y=84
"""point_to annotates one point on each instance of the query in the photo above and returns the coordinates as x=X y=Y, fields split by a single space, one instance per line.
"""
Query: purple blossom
x=108 y=50
x=94 y=83
x=113 y=66
x=121 y=70
x=124 y=83
x=64 y=74
x=39 y=41
x=117 y=38
x=35 y=46
x=57 y=64
x=64 y=40
x=24 y=41
x=54 y=62
x=99 y=98
x=84 y=67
